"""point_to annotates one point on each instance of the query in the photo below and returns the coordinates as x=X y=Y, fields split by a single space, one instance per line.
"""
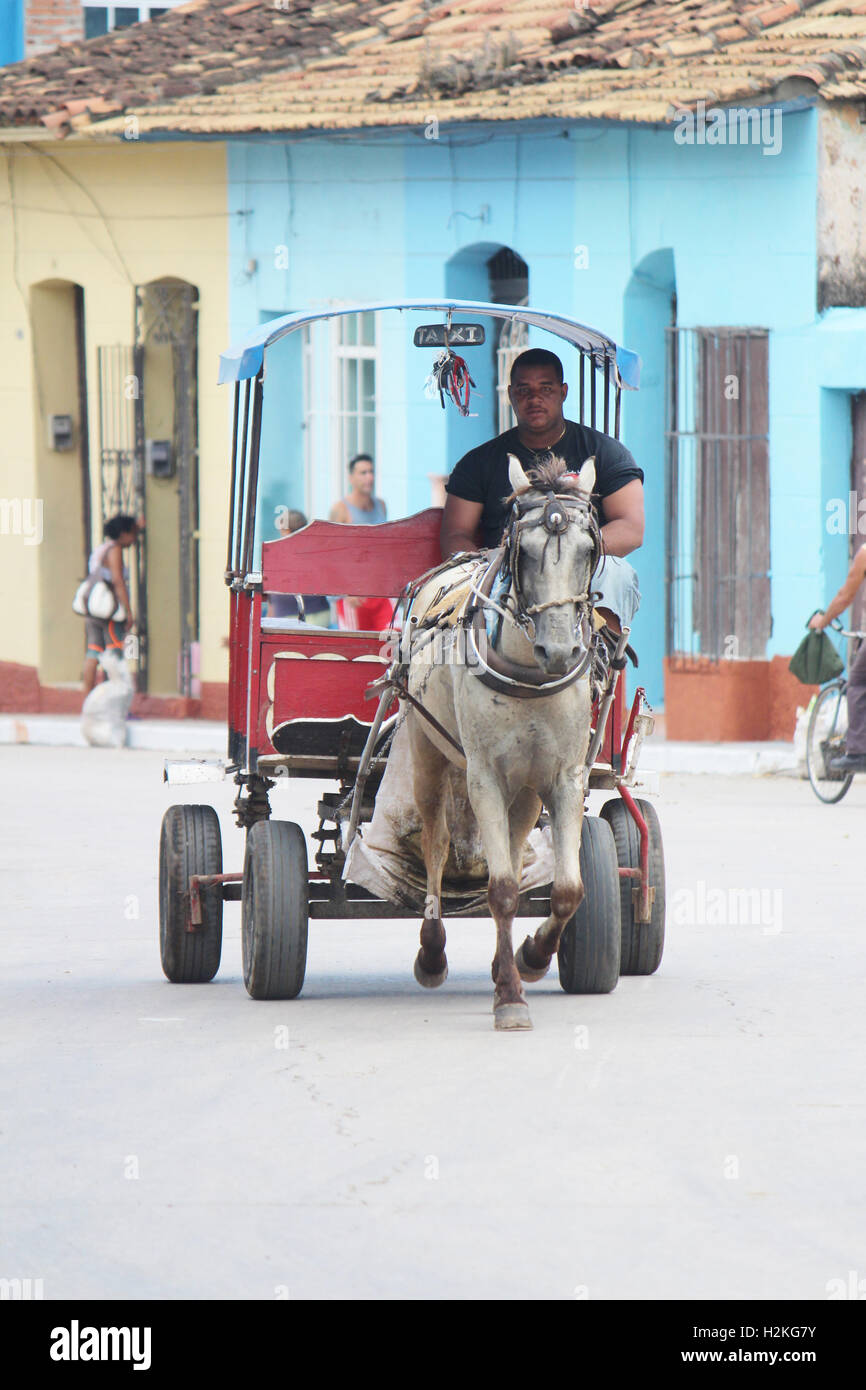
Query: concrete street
x=700 y=1133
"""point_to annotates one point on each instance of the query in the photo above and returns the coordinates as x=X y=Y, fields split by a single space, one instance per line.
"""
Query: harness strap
x=403 y=693
x=523 y=682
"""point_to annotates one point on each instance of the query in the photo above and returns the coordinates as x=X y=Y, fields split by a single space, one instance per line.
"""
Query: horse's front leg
x=430 y=771
x=565 y=805
x=510 y=1009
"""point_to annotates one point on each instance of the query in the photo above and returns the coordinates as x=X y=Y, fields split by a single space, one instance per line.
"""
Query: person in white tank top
x=360 y=507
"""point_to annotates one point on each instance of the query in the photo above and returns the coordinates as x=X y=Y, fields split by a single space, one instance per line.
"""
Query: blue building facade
x=11 y=31
x=627 y=229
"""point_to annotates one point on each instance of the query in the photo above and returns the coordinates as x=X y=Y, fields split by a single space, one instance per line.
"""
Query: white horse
x=522 y=718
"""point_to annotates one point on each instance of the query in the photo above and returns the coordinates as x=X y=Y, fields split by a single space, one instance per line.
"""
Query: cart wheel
x=589 y=947
x=642 y=942
x=189 y=843
x=275 y=910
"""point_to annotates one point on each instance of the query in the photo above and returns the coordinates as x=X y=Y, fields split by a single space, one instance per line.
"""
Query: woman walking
x=107 y=634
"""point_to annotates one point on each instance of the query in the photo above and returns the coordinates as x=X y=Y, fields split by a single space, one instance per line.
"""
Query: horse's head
x=552 y=548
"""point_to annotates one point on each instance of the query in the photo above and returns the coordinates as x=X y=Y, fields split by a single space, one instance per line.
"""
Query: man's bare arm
x=460 y=521
x=339 y=512
x=845 y=596
x=624 y=519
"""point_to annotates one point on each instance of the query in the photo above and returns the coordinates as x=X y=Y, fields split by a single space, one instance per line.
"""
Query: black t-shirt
x=482 y=474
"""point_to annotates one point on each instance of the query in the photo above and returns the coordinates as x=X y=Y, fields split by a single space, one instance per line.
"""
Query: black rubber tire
x=828 y=724
x=275 y=910
x=589 y=948
x=643 y=943
x=189 y=843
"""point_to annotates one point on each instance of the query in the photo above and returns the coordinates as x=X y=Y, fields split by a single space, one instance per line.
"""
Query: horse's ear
x=516 y=475
x=586 y=476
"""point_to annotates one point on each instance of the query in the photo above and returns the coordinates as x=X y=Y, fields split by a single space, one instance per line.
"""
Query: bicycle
x=827 y=730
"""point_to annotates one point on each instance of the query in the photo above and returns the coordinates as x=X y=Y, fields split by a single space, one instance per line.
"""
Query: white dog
x=103 y=715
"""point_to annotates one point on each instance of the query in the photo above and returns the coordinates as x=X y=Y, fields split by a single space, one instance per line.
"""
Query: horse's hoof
x=425 y=978
x=509 y=1017
x=525 y=971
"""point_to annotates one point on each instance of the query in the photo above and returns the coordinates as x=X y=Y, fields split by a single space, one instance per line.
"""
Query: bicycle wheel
x=825 y=739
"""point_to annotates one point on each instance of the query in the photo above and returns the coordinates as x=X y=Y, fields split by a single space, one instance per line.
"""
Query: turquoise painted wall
x=608 y=218
x=11 y=31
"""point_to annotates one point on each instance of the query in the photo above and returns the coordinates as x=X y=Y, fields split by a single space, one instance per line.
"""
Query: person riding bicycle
x=479 y=483
x=854 y=757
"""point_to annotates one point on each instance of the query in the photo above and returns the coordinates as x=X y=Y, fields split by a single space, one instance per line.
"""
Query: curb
x=152 y=735
x=209 y=736
x=721 y=759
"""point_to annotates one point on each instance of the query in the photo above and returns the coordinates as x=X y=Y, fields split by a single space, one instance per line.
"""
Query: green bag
x=816 y=660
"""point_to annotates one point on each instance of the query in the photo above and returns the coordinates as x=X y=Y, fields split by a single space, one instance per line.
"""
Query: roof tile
x=234 y=66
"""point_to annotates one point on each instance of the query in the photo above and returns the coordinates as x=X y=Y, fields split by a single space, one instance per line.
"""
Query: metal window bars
x=717 y=493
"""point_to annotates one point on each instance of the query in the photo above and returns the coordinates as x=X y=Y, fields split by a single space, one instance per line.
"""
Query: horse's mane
x=549 y=474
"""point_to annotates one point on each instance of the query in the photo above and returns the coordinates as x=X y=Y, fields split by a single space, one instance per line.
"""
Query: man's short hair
x=537 y=357
x=360 y=458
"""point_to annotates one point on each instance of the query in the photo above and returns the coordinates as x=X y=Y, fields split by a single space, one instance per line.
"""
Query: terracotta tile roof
x=216 y=67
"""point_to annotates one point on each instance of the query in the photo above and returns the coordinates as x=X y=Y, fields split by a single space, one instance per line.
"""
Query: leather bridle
x=558 y=512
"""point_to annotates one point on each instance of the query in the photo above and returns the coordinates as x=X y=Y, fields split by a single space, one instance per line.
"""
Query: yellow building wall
x=107 y=217
x=58 y=477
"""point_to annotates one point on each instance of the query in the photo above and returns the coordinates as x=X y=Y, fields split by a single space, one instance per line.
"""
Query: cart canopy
x=244 y=359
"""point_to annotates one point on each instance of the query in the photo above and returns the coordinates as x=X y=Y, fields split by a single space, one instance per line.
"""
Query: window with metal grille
x=718 y=493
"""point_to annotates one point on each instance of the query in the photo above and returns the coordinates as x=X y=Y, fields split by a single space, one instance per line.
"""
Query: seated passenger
x=317 y=609
x=362 y=508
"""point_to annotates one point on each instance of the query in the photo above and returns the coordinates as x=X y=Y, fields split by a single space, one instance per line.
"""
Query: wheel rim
x=825 y=739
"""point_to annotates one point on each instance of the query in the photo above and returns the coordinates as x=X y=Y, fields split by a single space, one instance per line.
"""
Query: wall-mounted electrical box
x=159 y=458
x=60 y=432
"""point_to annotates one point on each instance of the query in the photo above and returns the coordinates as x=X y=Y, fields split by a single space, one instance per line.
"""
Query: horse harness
x=558 y=512
x=497 y=672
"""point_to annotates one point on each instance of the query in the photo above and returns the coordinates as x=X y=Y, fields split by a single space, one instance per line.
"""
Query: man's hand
x=845 y=597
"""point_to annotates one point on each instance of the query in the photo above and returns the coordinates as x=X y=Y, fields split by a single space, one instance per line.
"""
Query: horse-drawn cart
x=300 y=706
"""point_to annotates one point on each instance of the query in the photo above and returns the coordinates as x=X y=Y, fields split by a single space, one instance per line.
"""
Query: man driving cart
x=478 y=486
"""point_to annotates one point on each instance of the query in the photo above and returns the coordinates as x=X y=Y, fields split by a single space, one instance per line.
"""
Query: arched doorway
x=488 y=271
